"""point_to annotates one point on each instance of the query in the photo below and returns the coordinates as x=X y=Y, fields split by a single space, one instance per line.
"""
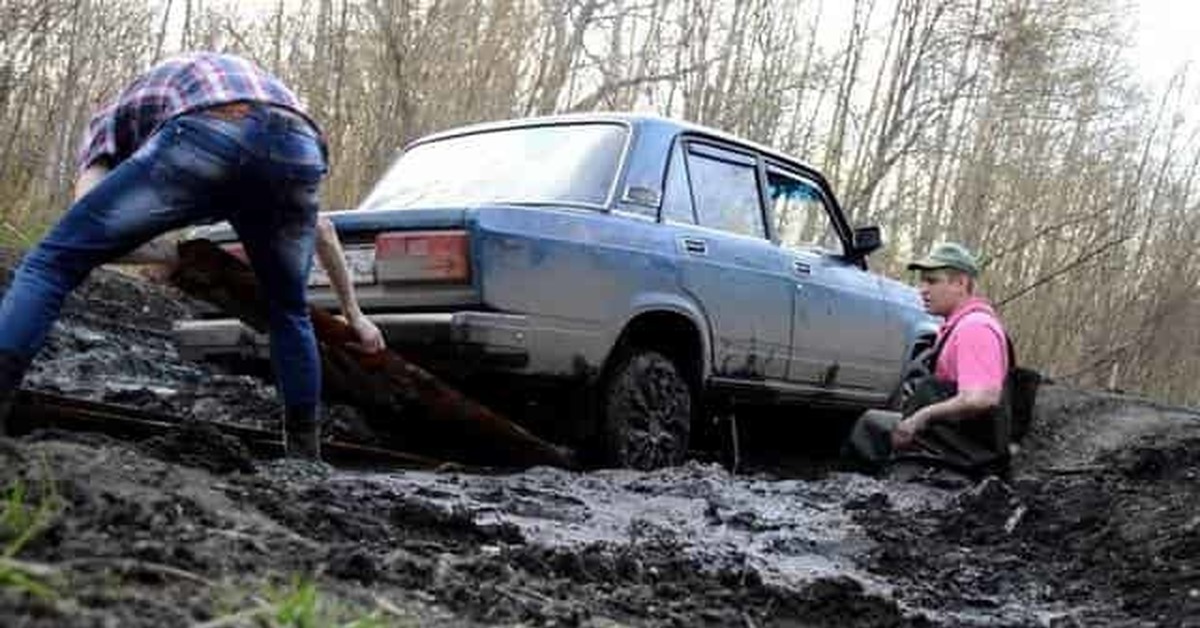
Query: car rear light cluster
x=427 y=256
x=399 y=257
x=237 y=251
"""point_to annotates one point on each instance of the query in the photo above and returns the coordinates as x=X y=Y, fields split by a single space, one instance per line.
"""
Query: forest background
x=1020 y=127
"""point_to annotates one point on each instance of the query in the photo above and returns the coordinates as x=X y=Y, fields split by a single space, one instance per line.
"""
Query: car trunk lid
x=413 y=259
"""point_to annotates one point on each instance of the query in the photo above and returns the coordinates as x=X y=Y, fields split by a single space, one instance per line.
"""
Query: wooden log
x=39 y=410
x=379 y=382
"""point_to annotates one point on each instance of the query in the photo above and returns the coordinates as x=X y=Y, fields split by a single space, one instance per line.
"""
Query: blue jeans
x=260 y=172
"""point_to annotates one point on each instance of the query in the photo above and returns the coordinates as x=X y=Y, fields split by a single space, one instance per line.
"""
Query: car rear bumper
x=466 y=339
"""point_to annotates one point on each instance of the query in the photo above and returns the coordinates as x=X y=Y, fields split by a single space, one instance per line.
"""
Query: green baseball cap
x=947 y=255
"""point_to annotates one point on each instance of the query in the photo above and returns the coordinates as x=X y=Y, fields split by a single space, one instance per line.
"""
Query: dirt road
x=1100 y=526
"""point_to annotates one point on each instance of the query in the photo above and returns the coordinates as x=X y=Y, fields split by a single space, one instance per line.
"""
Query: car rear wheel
x=647 y=407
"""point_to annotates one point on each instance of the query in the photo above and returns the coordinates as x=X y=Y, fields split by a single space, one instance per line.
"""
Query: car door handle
x=801 y=268
x=695 y=246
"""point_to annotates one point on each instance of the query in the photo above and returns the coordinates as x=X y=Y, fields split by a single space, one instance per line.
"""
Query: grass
x=300 y=604
x=26 y=513
x=21 y=521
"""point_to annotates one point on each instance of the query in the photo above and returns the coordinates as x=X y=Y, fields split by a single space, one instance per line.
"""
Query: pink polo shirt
x=975 y=356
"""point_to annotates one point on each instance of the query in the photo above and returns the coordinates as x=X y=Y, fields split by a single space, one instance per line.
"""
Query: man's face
x=942 y=290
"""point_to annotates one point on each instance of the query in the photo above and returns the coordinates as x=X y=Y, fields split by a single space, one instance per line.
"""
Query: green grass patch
x=300 y=604
x=22 y=518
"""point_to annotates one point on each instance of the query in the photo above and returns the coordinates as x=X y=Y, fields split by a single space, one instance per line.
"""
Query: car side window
x=677 y=196
x=725 y=189
x=801 y=216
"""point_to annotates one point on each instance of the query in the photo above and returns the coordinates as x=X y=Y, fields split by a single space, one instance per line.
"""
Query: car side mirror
x=867 y=240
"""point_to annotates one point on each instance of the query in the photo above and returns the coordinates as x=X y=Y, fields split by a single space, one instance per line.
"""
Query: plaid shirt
x=178 y=85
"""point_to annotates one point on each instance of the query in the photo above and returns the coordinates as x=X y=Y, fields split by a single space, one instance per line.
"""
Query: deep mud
x=1100 y=524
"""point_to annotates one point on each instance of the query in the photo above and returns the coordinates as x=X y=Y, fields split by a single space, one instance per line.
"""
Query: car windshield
x=553 y=164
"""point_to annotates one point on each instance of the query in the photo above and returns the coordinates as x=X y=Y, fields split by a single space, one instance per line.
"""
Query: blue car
x=627 y=274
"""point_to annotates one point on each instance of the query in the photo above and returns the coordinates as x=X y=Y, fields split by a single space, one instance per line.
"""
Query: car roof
x=639 y=121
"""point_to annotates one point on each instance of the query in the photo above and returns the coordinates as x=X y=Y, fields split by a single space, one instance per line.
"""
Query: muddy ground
x=1100 y=525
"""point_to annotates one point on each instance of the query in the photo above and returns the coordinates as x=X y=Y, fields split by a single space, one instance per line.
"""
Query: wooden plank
x=421 y=409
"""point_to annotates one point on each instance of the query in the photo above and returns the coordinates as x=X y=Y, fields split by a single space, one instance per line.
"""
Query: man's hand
x=332 y=258
x=159 y=258
x=964 y=406
x=906 y=431
x=158 y=273
x=370 y=339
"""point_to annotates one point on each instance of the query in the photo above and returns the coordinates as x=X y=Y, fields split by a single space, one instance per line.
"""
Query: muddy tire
x=646 y=405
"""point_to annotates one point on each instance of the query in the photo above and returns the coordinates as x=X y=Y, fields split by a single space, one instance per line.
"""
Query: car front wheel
x=647 y=407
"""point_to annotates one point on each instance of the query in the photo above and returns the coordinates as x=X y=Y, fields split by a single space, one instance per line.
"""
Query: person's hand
x=157 y=273
x=906 y=430
x=370 y=339
x=159 y=267
x=158 y=259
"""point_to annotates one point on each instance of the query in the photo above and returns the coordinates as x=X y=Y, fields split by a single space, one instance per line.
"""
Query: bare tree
x=1011 y=125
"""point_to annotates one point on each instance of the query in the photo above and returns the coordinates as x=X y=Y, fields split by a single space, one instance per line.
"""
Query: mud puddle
x=690 y=546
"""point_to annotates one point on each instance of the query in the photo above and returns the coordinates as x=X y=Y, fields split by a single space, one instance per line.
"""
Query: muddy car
x=627 y=275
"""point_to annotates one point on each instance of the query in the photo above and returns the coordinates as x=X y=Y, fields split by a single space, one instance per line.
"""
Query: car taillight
x=237 y=251
x=440 y=256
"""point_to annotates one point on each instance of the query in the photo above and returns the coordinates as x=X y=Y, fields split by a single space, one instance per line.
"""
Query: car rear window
x=553 y=164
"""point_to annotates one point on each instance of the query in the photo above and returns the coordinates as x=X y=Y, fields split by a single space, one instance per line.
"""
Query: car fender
x=651 y=302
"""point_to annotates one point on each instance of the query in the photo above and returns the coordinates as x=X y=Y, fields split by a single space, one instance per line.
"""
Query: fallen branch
x=388 y=607
x=132 y=566
x=1055 y=274
x=1074 y=470
x=37 y=570
x=235 y=619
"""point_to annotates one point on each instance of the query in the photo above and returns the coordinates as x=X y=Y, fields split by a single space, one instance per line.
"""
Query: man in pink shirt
x=958 y=416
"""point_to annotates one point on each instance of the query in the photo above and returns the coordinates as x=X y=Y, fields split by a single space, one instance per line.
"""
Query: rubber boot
x=12 y=371
x=302 y=433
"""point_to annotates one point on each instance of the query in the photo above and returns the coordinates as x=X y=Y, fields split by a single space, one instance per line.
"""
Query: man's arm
x=333 y=260
x=981 y=369
x=965 y=405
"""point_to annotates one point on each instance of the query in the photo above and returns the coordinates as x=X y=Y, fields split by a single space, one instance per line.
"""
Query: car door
x=713 y=204
x=839 y=326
